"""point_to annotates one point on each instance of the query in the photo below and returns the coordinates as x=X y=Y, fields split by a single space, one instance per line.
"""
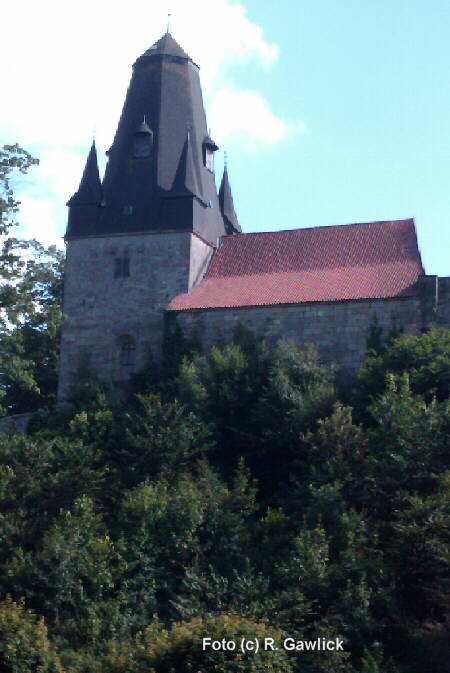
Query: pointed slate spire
x=227 y=206
x=153 y=167
x=89 y=192
x=166 y=46
x=186 y=182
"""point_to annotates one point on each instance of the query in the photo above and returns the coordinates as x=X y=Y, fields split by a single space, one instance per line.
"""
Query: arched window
x=127 y=357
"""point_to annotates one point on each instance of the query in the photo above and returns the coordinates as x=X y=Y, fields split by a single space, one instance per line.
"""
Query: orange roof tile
x=356 y=261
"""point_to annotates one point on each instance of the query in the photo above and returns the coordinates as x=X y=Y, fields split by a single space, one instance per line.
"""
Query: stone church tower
x=148 y=232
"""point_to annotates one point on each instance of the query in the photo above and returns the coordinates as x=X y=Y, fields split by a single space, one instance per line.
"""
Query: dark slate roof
x=375 y=260
x=165 y=46
x=90 y=190
x=227 y=205
x=165 y=90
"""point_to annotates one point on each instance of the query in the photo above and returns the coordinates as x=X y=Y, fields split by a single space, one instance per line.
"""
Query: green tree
x=29 y=330
x=425 y=358
x=24 y=645
x=30 y=302
x=13 y=159
x=174 y=533
x=257 y=400
x=160 y=439
x=39 y=478
x=408 y=447
x=71 y=576
x=420 y=554
x=180 y=648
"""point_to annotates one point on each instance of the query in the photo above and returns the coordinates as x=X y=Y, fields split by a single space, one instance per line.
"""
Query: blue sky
x=371 y=82
x=333 y=111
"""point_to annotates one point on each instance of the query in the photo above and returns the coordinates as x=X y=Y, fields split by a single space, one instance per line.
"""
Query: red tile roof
x=354 y=261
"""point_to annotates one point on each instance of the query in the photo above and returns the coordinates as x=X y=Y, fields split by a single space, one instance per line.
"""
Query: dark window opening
x=142 y=145
x=127 y=358
x=121 y=267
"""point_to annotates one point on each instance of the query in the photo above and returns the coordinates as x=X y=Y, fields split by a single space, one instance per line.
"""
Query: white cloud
x=244 y=117
x=67 y=69
x=39 y=219
x=43 y=193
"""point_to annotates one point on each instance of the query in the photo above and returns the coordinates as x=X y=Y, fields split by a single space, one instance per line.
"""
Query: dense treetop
x=235 y=494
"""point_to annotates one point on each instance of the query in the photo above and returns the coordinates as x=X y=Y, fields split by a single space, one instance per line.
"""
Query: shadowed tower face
x=149 y=230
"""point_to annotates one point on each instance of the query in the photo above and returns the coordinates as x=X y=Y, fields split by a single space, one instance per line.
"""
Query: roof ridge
x=319 y=226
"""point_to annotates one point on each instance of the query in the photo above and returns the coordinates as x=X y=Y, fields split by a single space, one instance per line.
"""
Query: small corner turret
x=232 y=225
x=90 y=190
x=84 y=205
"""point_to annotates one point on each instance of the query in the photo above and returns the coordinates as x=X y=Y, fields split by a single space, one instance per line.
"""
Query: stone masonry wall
x=338 y=329
x=102 y=310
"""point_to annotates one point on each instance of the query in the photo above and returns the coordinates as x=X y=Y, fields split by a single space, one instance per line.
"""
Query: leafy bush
x=180 y=648
x=24 y=645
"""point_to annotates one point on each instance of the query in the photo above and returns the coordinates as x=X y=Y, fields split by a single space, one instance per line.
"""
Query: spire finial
x=169 y=16
x=225 y=160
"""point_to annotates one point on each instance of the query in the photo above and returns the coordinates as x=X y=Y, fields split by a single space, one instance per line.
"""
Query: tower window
x=127 y=357
x=209 y=159
x=142 y=145
x=209 y=147
x=121 y=267
x=128 y=210
x=142 y=141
